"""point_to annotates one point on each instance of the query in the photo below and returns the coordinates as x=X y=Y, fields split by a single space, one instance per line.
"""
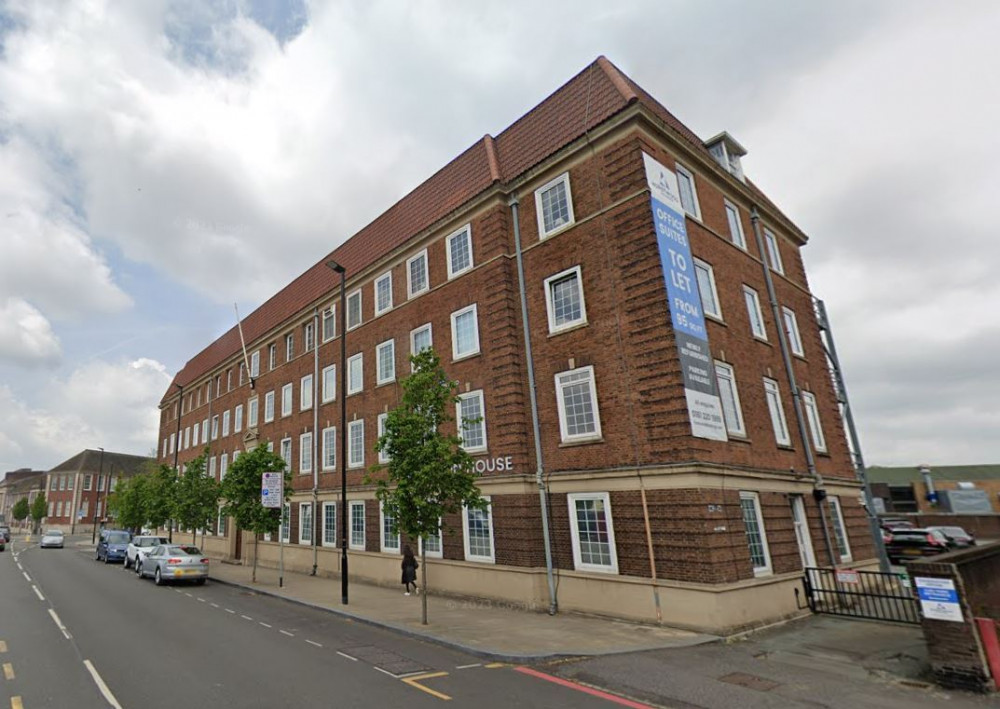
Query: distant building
x=19 y=484
x=673 y=466
x=82 y=484
x=960 y=488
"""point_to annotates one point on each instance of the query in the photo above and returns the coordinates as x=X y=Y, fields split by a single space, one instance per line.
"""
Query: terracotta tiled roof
x=584 y=102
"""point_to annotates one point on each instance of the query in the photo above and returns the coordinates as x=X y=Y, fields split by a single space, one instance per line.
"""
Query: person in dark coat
x=410 y=566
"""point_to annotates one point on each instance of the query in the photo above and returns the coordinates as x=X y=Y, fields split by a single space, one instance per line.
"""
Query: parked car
x=3 y=543
x=140 y=546
x=958 y=538
x=5 y=532
x=891 y=524
x=174 y=562
x=901 y=544
x=52 y=539
x=112 y=545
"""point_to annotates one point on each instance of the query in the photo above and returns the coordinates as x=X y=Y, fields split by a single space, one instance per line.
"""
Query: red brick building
x=646 y=519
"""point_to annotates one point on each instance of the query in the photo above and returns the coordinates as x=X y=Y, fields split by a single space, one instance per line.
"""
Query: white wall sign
x=938 y=599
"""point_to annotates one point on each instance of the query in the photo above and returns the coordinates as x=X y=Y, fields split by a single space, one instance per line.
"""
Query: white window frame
x=289 y=347
x=779 y=423
x=767 y=569
x=382 y=376
x=466 y=232
x=550 y=306
x=754 y=313
x=469 y=556
x=383 y=457
x=272 y=356
x=223 y=466
x=416 y=331
x=226 y=418
x=351 y=543
x=204 y=431
x=215 y=427
x=269 y=406
x=255 y=364
x=539 y=209
x=725 y=372
x=411 y=293
x=578 y=562
x=564 y=436
x=812 y=417
x=329 y=392
x=306 y=392
x=433 y=553
x=237 y=420
x=332 y=541
x=792 y=331
x=352 y=459
x=353 y=296
x=285 y=529
x=329 y=446
x=384 y=278
x=253 y=412
x=455 y=355
x=287 y=397
x=360 y=359
x=383 y=547
x=733 y=217
x=840 y=530
x=706 y=268
x=460 y=420
x=305 y=453
x=773 y=252
x=308 y=336
x=286 y=443
x=684 y=173
x=307 y=541
x=329 y=315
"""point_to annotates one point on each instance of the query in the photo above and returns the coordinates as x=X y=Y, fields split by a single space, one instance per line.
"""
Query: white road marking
x=314 y=643
x=466 y=667
x=215 y=605
x=285 y=632
x=37 y=592
x=201 y=600
x=188 y=595
x=265 y=625
x=230 y=610
x=101 y=686
x=59 y=623
x=26 y=577
x=385 y=672
x=352 y=659
x=246 y=617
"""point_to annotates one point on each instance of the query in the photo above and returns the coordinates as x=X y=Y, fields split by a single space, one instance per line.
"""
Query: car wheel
x=157 y=578
x=127 y=564
x=138 y=568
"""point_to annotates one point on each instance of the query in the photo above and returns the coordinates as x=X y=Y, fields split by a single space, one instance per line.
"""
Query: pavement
x=494 y=630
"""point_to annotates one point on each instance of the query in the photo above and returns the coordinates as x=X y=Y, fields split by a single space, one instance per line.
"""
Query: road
x=78 y=633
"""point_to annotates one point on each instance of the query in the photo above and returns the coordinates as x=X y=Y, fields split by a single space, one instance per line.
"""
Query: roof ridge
x=614 y=75
x=492 y=157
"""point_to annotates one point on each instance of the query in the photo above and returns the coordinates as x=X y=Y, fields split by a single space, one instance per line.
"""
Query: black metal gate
x=861 y=594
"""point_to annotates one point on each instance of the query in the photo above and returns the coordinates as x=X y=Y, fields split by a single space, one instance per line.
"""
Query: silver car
x=174 y=562
x=140 y=546
x=53 y=539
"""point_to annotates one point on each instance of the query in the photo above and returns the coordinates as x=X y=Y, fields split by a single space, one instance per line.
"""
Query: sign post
x=272 y=495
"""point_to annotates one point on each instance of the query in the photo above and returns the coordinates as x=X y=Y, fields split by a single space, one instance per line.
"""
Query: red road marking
x=580 y=688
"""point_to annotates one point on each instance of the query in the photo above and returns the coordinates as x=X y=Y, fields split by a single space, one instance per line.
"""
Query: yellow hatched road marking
x=15 y=703
x=415 y=682
x=8 y=670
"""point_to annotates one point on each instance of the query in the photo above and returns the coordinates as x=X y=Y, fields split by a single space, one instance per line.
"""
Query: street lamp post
x=100 y=476
x=337 y=268
x=177 y=448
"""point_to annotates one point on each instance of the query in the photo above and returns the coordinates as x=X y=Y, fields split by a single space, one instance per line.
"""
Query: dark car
x=891 y=524
x=112 y=545
x=5 y=532
x=958 y=538
x=903 y=544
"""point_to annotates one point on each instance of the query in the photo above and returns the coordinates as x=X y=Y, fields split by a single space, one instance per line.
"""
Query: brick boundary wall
x=957 y=655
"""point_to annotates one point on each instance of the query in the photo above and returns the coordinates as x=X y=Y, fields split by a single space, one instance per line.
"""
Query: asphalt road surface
x=82 y=634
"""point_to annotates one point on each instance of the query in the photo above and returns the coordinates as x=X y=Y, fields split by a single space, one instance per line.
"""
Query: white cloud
x=113 y=405
x=26 y=337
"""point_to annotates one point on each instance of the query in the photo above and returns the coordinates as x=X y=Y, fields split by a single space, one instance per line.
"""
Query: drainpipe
x=533 y=396
x=786 y=358
x=649 y=549
x=315 y=437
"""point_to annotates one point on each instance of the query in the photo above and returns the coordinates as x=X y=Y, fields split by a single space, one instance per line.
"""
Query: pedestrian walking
x=410 y=566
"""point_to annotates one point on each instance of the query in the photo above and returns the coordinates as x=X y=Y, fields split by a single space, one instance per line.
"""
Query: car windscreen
x=908 y=536
x=118 y=538
x=954 y=531
x=53 y=533
x=193 y=551
x=148 y=542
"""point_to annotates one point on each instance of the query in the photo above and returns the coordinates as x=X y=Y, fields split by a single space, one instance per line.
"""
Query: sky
x=161 y=161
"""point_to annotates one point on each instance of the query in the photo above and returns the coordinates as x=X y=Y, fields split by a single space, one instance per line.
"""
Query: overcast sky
x=160 y=161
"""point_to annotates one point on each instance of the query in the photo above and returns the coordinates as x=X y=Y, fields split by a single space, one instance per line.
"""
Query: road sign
x=272 y=489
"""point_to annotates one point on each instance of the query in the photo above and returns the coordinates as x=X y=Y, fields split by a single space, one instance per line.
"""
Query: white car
x=52 y=539
x=140 y=546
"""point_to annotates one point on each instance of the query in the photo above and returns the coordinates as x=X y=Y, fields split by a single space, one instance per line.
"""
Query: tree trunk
x=255 y=557
x=423 y=582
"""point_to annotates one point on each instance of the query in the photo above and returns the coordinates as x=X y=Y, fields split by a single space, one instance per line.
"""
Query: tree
x=38 y=509
x=128 y=501
x=197 y=497
x=241 y=490
x=429 y=474
x=21 y=510
x=161 y=498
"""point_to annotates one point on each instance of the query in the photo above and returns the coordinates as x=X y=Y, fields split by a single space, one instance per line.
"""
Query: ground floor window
x=329 y=524
x=593 y=532
x=839 y=530
x=753 y=521
x=286 y=515
x=478 y=526
x=390 y=533
x=358 y=525
x=432 y=546
x=305 y=523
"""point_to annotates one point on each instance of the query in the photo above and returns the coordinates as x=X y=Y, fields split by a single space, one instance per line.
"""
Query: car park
x=112 y=545
x=958 y=538
x=904 y=544
x=174 y=562
x=52 y=539
x=140 y=546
